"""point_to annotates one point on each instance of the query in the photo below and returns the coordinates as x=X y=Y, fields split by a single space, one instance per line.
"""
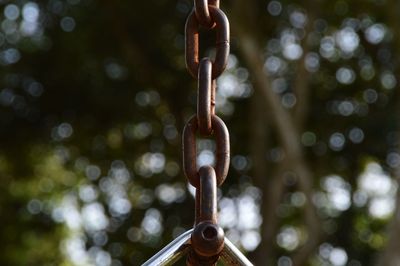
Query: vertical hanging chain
x=205 y=244
x=207 y=238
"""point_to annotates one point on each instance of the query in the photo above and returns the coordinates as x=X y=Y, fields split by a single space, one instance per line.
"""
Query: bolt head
x=208 y=239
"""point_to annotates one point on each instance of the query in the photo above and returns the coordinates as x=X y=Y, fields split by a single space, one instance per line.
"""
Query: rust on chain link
x=207 y=237
x=213 y=89
x=190 y=150
x=222 y=42
x=205 y=103
x=208 y=194
x=202 y=12
x=213 y=3
x=207 y=241
x=194 y=259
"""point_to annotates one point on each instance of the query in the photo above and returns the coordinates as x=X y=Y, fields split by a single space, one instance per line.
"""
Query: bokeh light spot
x=345 y=75
x=337 y=141
x=67 y=24
x=30 y=12
x=11 y=12
x=375 y=33
x=274 y=8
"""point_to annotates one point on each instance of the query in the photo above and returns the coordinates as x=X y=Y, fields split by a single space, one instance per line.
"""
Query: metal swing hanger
x=180 y=247
x=205 y=244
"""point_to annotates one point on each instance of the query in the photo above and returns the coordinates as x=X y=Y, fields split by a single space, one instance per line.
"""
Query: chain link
x=202 y=13
x=207 y=237
x=205 y=244
x=190 y=150
x=204 y=97
x=222 y=42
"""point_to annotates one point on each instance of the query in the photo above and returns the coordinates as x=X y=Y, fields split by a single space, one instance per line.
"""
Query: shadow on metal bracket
x=180 y=247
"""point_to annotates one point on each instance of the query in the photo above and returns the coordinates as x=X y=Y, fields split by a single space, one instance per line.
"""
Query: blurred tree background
x=94 y=96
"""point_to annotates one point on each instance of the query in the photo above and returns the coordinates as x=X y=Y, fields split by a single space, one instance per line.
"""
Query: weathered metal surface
x=190 y=150
x=207 y=237
x=222 y=42
x=181 y=246
x=204 y=97
x=205 y=244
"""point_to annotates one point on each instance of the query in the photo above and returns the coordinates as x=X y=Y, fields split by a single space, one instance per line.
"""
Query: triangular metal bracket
x=180 y=247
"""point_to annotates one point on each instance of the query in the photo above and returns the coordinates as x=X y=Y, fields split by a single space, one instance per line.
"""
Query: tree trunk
x=285 y=128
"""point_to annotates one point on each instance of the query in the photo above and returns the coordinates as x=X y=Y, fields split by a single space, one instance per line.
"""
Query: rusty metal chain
x=202 y=13
x=190 y=151
x=205 y=97
x=205 y=244
x=222 y=42
x=207 y=237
